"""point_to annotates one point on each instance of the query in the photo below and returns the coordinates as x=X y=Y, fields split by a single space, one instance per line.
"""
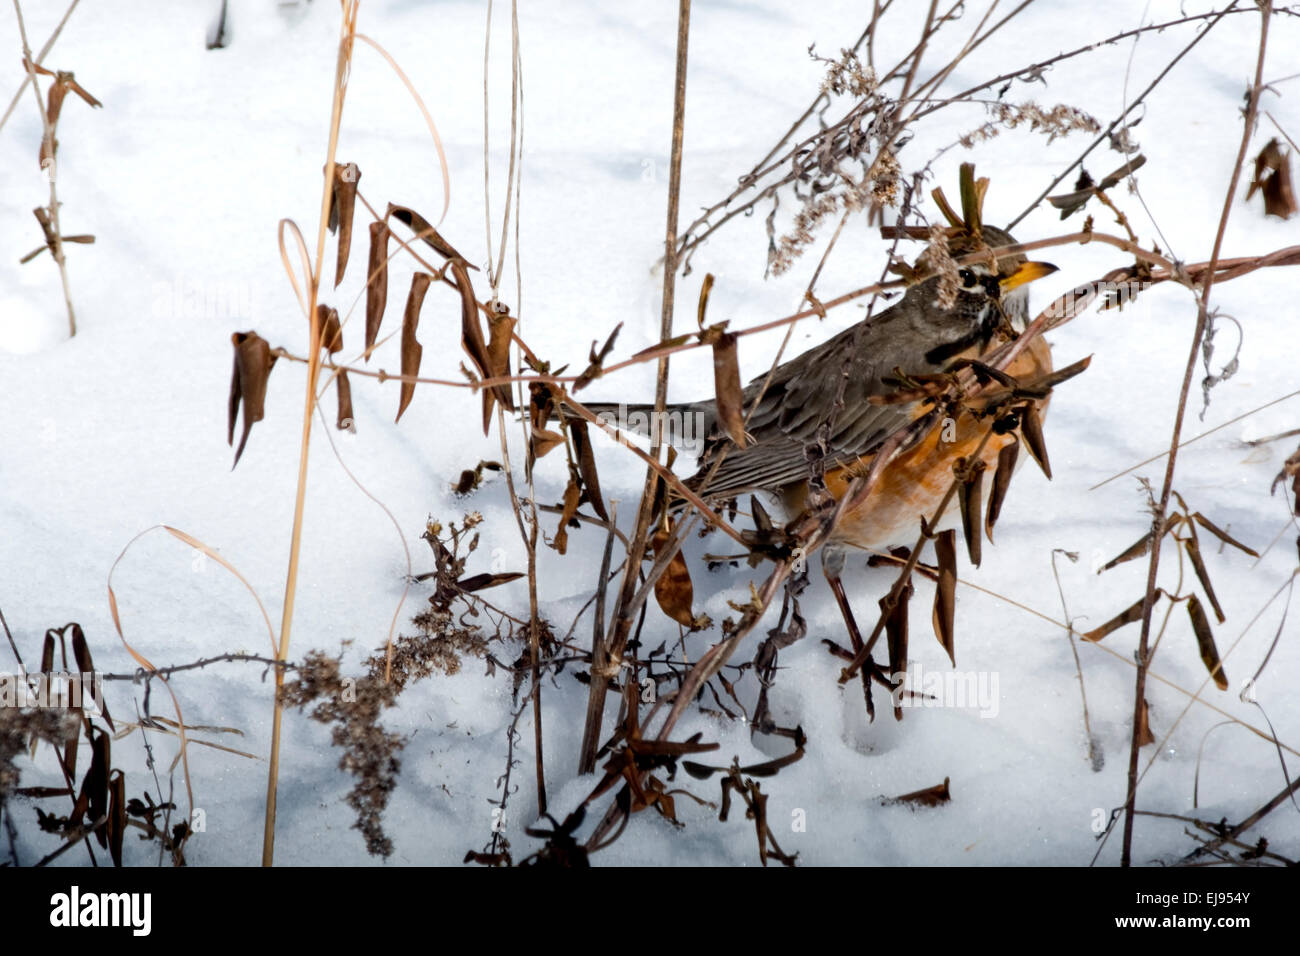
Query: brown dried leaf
x=769 y=768
x=541 y=404
x=501 y=326
x=331 y=333
x=67 y=78
x=896 y=637
x=675 y=341
x=1144 y=734
x=572 y=495
x=1055 y=378
x=1126 y=616
x=705 y=288
x=1085 y=189
x=29 y=64
x=1193 y=548
x=377 y=282
x=421 y=226
x=1142 y=545
x=253 y=364
x=1031 y=430
x=596 y=360
x=587 y=467
x=1279 y=197
x=1272 y=178
x=929 y=797
x=672 y=748
x=54 y=105
x=970 y=495
x=116 y=825
x=1001 y=483
x=346 y=178
x=727 y=387
x=343 y=389
x=1205 y=642
x=471 y=335
x=411 y=349
x=94 y=787
x=480 y=582
x=1222 y=535
x=945 y=593
x=674 y=590
x=544 y=440
x=63 y=82
x=86 y=665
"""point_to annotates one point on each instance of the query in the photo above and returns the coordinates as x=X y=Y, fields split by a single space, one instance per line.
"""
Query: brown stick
x=1202 y=320
x=602 y=653
x=56 y=230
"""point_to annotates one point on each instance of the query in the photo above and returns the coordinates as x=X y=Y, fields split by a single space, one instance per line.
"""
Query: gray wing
x=802 y=392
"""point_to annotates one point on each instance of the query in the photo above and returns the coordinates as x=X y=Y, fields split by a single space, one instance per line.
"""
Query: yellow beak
x=1026 y=273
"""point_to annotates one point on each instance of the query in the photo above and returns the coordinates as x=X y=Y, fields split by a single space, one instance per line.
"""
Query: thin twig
x=1204 y=434
x=347 y=31
x=1202 y=319
x=55 y=230
x=624 y=609
x=1105 y=133
x=1078 y=665
x=40 y=58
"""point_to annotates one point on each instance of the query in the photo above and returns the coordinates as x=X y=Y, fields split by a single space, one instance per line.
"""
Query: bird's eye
x=968 y=278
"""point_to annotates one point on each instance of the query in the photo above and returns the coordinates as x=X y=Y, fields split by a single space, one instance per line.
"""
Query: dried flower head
x=1060 y=120
x=885 y=183
x=848 y=75
x=938 y=258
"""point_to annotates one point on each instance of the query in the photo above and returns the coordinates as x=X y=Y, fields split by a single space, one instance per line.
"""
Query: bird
x=846 y=398
x=915 y=339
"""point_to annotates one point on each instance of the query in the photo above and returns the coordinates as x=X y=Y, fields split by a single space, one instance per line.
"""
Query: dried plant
x=851 y=164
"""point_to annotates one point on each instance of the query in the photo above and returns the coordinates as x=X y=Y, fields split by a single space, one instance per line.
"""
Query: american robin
x=916 y=336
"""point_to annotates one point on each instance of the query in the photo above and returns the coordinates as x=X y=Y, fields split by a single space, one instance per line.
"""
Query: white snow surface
x=197 y=156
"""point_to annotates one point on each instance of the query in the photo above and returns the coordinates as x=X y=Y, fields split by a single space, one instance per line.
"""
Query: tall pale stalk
x=347 y=34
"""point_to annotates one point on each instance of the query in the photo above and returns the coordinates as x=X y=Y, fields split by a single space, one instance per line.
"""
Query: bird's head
x=1004 y=281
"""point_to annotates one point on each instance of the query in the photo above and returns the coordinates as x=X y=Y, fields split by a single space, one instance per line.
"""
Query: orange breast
x=915 y=482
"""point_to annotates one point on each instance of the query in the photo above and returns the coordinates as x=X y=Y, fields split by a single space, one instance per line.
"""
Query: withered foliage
x=1273 y=181
x=755 y=800
x=344 y=183
x=849 y=164
x=1181 y=526
x=63 y=719
x=929 y=797
x=248 y=381
x=354 y=706
x=674 y=590
x=1085 y=188
x=20 y=728
x=64 y=83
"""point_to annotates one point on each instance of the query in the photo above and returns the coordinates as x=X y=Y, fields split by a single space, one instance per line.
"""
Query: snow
x=196 y=157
